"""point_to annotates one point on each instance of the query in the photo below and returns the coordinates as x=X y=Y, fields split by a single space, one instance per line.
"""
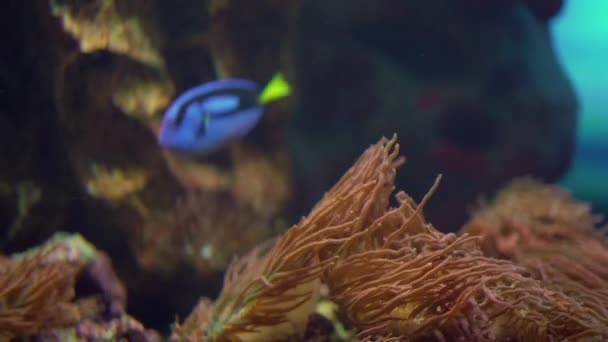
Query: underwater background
x=580 y=38
x=353 y=170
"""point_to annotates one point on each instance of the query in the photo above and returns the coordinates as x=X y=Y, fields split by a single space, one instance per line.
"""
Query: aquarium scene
x=304 y=170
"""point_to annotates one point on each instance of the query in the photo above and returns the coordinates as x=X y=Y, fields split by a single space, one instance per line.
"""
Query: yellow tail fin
x=277 y=88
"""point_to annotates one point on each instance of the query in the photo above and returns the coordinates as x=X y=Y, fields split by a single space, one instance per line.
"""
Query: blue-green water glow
x=581 y=41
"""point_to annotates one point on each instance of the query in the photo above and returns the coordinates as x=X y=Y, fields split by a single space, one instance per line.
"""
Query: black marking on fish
x=247 y=98
x=202 y=129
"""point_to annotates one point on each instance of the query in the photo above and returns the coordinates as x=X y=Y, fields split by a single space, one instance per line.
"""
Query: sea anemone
x=35 y=294
x=553 y=236
x=427 y=284
x=393 y=276
x=400 y=278
x=270 y=293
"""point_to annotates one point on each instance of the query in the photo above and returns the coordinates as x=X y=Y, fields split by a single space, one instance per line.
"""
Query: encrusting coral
x=107 y=25
x=393 y=276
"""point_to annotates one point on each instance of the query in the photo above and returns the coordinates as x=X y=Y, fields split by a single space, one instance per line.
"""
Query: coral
x=271 y=292
x=105 y=25
x=115 y=184
x=123 y=328
x=142 y=93
x=441 y=286
x=553 y=236
x=36 y=288
x=64 y=247
x=266 y=296
x=398 y=276
x=392 y=276
x=38 y=295
x=196 y=325
x=113 y=291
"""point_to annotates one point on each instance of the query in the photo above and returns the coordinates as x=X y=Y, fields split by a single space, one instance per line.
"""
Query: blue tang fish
x=206 y=117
